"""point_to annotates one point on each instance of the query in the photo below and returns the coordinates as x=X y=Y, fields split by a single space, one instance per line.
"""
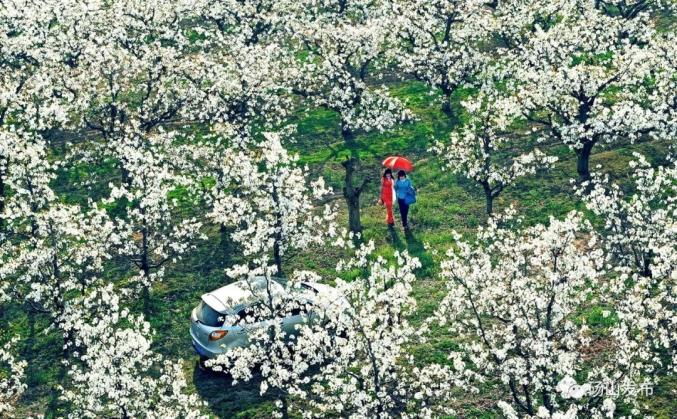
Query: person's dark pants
x=404 y=211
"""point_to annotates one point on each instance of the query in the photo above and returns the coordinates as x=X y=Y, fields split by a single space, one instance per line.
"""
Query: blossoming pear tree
x=278 y=354
x=247 y=70
x=343 y=41
x=272 y=206
x=371 y=373
x=133 y=75
x=641 y=240
x=132 y=81
x=439 y=42
x=348 y=358
x=25 y=174
x=29 y=109
x=114 y=371
x=62 y=256
x=30 y=106
x=587 y=90
x=478 y=150
x=157 y=231
x=514 y=301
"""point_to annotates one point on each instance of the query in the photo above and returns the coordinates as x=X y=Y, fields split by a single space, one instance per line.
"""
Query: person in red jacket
x=387 y=197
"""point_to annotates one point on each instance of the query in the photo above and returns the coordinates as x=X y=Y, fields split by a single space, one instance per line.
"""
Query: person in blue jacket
x=402 y=187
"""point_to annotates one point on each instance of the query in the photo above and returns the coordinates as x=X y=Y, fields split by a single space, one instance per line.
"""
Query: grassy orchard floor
x=446 y=202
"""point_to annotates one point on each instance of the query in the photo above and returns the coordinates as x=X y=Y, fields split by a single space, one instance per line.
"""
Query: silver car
x=218 y=322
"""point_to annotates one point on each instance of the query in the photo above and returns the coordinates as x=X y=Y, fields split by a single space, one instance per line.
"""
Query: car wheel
x=201 y=364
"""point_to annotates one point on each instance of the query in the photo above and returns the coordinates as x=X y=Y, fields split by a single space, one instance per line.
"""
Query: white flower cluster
x=25 y=170
x=514 y=299
x=272 y=205
x=478 y=150
x=348 y=358
x=12 y=378
x=641 y=241
x=114 y=372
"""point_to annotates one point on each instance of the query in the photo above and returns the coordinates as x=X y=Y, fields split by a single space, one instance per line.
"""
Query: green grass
x=446 y=202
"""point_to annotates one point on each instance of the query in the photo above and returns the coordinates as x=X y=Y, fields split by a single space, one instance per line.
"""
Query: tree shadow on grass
x=226 y=400
x=417 y=248
x=395 y=238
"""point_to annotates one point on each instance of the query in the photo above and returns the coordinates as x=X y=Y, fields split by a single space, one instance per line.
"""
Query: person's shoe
x=406 y=227
x=391 y=225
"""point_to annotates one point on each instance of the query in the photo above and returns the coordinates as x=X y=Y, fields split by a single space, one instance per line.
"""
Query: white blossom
x=641 y=241
x=514 y=297
x=478 y=150
x=12 y=377
x=115 y=372
x=581 y=72
x=347 y=359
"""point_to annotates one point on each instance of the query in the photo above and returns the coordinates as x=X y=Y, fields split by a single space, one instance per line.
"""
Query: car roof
x=232 y=297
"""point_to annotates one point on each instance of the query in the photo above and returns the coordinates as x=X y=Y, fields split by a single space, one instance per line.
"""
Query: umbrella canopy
x=398 y=163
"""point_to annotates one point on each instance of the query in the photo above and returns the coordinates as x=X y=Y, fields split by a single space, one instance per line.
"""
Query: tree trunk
x=223 y=228
x=2 y=204
x=490 y=204
x=145 y=268
x=447 y=90
x=352 y=196
x=277 y=244
x=446 y=107
x=285 y=407
x=223 y=235
x=489 y=197
x=351 y=193
x=278 y=258
x=646 y=264
x=53 y=404
x=583 y=162
x=145 y=262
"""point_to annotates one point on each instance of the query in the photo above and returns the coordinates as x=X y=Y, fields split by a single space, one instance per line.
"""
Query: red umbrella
x=398 y=163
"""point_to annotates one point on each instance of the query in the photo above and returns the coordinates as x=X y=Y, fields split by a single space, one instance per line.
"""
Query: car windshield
x=207 y=315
